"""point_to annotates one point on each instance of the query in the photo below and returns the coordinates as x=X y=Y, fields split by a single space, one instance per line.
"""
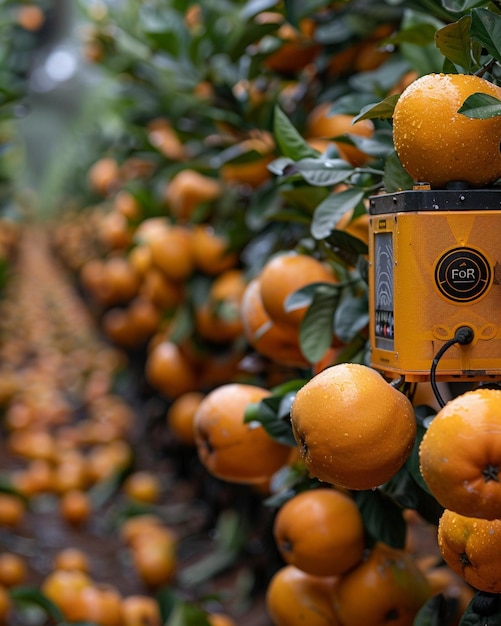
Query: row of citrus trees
x=20 y=25
x=221 y=239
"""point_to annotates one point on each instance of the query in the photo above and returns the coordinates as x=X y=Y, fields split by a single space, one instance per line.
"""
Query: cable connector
x=464 y=335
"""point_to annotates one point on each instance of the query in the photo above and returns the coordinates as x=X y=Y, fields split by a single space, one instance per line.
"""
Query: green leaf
x=304 y=297
x=419 y=34
x=380 y=110
x=315 y=332
x=382 y=517
x=288 y=139
x=458 y=6
x=486 y=28
x=318 y=171
x=424 y=59
x=289 y=386
x=402 y=489
x=273 y=414
x=33 y=596
x=437 y=611
x=395 y=176
x=167 y=602
x=481 y=106
x=187 y=614
x=351 y=103
x=346 y=246
x=453 y=41
x=484 y=610
x=331 y=210
x=412 y=462
x=351 y=316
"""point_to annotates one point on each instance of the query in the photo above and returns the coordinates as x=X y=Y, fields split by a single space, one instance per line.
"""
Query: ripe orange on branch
x=472 y=548
x=321 y=125
x=284 y=274
x=295 y=598
x=438 y=145
x=386 y=589
x=353 y=428
x=460 y=454
x=320 y=531
x=230 y=448
x=279 y=342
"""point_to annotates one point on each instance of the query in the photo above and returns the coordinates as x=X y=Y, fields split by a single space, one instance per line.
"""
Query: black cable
x=463 y=336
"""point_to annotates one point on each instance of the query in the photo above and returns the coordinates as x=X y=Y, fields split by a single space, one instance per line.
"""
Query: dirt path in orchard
x=53 y=365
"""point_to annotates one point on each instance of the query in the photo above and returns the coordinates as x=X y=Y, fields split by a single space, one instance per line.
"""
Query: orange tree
x=238 y=94
x=20 y=26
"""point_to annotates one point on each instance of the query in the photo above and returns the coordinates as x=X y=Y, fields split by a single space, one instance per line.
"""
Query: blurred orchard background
x=157 y=159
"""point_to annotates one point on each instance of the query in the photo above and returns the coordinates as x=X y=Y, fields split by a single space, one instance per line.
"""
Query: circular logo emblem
x=463 y=274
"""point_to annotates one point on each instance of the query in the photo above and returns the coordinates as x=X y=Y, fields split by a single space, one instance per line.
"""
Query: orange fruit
x=164 y=138
x=220 y=619
x=144 y=317
x=180 y=416
x=210 y=251
x=253 y=172
x=284 y=274
x=120 y=280
x=438 y=145
x=471 y=547
x=320 y=531
x=126 y=204
x=141 y=610
x=295 y=598
x=75 y=506
x=218 y=318
x=142 y=486
x=5 y=605
x=101 y=604
x=71 y=559
x=169 y=371
x=387 y=588
x=30 y=17
x=161 y=291
x=116 y=326
x=138 y=525
x=321 y=125
x=13 y=569
x=297 y=48
x=12 y=510
x=353 y=428
x=104 y=176
x=465 y=477
x=114 y=232
x=187 y=190
x=278 y=342
x=171 y=252
x=154 y=557
x=229 y=448
x=63 y=588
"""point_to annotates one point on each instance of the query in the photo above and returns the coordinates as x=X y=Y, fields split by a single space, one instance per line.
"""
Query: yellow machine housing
x=434 y=266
